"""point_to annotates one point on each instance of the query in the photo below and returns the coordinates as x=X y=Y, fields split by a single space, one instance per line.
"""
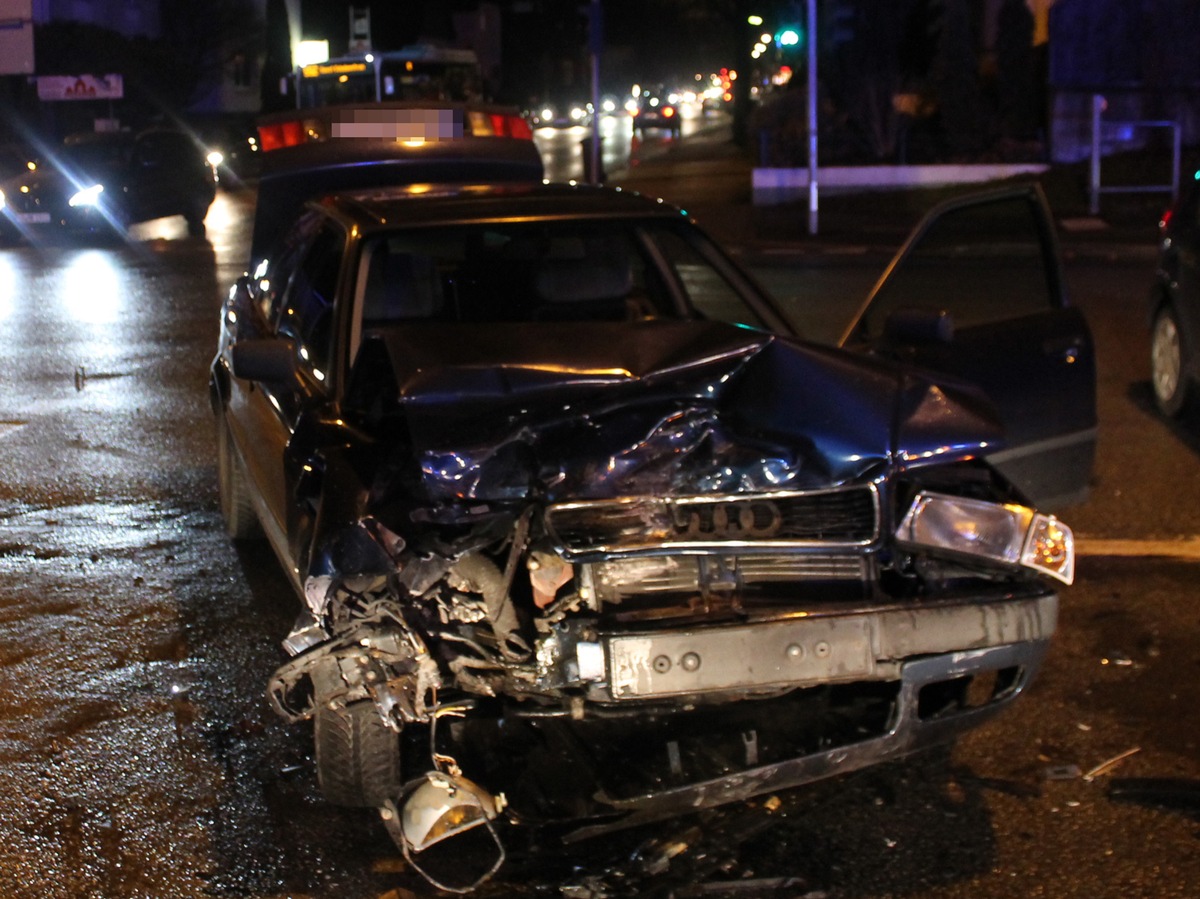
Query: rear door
x=977 y=292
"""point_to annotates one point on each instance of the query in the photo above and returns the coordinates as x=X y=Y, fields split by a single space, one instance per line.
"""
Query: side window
x=983 y=263
x=178 y=152
x=307 y=311
x=275 y=272
x=706 y=288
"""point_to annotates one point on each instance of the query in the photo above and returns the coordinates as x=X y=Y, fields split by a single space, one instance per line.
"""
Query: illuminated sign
x=337 y=68
x=80 y=87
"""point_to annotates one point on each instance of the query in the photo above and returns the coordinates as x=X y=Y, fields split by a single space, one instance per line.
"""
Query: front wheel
x=357 y=755
x=1169 y=364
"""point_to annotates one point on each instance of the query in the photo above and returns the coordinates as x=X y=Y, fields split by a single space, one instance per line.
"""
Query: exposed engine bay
x=681 y=652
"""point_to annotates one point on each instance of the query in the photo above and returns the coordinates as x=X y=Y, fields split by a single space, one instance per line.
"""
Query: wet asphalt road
x=138 y=757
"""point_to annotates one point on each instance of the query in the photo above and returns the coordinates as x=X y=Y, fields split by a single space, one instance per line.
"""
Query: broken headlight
x=1009 y=534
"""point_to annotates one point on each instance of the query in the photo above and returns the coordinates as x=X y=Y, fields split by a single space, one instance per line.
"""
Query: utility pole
x=595 y=46
x=812 y=116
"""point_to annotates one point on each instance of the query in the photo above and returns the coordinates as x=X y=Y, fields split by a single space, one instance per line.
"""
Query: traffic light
x=789 y=36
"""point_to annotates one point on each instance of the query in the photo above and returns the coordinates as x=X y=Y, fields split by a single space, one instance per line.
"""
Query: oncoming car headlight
x=1009 y=534
x=89 y=196
x=3 y=202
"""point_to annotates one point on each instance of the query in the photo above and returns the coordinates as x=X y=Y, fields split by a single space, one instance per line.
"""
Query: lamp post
x=811 y=48
x=595 y=45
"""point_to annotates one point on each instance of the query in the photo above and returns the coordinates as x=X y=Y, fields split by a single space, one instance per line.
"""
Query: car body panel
x=348 y=148
x=1175 y=354
x=988 y=266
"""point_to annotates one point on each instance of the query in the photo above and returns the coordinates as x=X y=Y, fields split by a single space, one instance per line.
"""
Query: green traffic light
x=788 y=37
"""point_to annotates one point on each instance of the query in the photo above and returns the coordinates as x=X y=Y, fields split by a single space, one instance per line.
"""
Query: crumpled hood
x=569 y=411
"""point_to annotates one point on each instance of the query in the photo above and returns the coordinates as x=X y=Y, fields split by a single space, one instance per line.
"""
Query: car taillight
x=1165 y=221
x=668 y=112
x=277 y=135
x=503 y=125
x=382 y=123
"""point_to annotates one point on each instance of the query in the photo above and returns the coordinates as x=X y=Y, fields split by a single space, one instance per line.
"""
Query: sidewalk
x=710 y=177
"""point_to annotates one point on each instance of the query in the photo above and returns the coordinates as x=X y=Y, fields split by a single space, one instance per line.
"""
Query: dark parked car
x=1175 y=309
x=100 y=183
x=585 y=535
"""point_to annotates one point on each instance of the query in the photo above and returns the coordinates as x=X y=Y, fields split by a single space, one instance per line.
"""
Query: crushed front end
x=648 y=606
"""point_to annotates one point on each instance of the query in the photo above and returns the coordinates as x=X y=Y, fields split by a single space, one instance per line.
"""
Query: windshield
x=94 y=155
x=396 y=80
x=550 y=271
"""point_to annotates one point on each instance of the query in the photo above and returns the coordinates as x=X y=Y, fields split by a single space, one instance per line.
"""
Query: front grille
x=620 y=578
x=843 y=517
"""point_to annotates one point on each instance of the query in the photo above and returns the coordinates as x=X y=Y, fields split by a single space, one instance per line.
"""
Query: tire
x=357 y=755
x=195 y=222
x=194 y=216
x=241 y=522
x=1170 y=362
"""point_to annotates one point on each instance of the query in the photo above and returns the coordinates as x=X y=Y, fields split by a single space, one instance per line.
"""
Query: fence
x=1095 y=188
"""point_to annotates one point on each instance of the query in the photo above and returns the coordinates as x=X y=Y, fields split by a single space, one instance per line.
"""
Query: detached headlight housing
x=1008 y=534
x=89 y=196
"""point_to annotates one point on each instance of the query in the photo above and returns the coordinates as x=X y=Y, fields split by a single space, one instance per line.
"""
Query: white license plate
x=34 y=218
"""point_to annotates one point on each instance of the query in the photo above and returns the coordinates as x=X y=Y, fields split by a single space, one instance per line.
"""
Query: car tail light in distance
x=409 y=125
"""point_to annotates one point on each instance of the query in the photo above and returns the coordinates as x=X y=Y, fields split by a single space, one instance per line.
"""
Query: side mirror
x=261 y=359
x=912 y=326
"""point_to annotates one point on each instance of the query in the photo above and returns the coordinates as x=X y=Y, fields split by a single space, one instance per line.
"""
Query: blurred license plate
x=34 y=218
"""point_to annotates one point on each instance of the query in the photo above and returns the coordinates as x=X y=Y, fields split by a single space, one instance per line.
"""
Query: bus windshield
x=417 y=73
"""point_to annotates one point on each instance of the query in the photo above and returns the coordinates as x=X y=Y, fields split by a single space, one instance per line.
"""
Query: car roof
x=313 y=152
x=81 y=138
x=425 y=205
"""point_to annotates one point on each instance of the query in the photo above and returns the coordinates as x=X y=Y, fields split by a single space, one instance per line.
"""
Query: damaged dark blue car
x=586 y=535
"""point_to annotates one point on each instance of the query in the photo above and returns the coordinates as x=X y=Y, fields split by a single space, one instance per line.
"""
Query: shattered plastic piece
x=1110 y=764
x=317 y=593
x=444 y=806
